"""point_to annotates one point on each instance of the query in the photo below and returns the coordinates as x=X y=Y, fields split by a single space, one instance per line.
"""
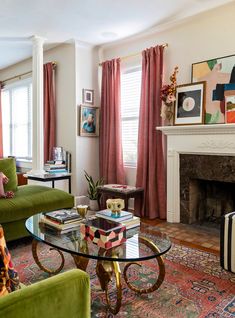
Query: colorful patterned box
x=104 y=233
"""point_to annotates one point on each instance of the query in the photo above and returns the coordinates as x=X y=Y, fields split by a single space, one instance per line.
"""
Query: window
x=17 y=119
x=130 y=103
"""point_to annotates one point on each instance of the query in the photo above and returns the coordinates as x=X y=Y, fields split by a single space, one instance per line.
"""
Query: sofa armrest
x=64 y=295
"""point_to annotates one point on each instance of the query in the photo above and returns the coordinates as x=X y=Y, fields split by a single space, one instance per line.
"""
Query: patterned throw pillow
x=3 y=181
x=9 y=279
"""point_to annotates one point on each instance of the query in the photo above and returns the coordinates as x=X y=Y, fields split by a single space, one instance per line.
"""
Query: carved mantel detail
x=217 y=144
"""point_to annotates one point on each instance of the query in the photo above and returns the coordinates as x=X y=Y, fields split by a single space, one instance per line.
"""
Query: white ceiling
x=93 y=21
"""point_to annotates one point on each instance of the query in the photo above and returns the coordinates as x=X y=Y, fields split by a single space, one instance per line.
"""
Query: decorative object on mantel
x=89 y=121
x=219 y=73
x=168 y=96
x=189 y=104
x=88 y=96
x=230 y=104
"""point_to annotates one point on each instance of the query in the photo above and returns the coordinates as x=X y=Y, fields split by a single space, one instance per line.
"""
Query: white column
x=38 y=131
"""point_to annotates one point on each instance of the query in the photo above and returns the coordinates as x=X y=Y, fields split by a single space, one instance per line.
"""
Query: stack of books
x=125 y=218
x=54 y=167
x=62 y=220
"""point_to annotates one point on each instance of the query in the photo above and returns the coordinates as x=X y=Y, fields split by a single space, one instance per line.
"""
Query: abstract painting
x=219 y=74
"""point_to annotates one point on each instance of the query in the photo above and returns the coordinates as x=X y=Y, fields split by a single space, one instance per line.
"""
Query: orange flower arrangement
x=168 y=96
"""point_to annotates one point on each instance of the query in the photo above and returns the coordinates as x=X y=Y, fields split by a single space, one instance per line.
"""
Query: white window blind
x=130 y=103
x=17 y=119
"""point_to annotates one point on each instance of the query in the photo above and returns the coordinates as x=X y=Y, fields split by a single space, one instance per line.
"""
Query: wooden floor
x=195 y=236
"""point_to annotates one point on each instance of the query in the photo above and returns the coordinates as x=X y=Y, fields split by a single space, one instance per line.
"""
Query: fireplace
x=210 y=183
x=207 y=188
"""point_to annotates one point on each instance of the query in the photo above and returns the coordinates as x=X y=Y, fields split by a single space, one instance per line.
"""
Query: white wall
x=87 y=148
x=64 y=55
x=205 y=36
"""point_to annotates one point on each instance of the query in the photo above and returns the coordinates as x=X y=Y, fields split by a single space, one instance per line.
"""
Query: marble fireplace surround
x=192 y=139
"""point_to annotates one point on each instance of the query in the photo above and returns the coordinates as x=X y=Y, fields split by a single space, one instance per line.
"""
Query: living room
x=185 y=243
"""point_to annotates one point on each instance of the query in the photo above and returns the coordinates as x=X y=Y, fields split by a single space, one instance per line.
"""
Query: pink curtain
x=150 y=162
x=49 y=111
x=1 y=138
x=111 y=160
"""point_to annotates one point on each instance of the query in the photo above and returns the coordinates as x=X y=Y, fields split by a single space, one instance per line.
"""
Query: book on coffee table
x=60 y=226
x=63 y=216
x=117 y=217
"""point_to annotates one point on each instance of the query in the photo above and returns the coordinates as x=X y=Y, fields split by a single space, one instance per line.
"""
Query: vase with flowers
x=168 y=96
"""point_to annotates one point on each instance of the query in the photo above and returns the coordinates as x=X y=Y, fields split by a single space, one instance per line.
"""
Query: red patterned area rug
x=194 y=285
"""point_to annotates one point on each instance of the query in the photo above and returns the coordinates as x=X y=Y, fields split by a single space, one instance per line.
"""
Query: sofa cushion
x=9 y=279
x=8 y=167
x=32 y=199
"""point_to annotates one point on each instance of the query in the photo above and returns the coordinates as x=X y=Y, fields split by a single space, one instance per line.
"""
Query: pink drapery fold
x=111 y=159
x=1 y=137
x=150 y=161
x=49 y=111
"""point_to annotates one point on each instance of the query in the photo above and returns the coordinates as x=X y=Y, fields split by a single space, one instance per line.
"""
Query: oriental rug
x=195 y=285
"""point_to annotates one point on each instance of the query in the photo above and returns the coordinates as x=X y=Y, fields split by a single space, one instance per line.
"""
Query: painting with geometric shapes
x=219 y=74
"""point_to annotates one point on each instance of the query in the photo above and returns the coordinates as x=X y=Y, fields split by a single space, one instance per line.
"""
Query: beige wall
x=205 y=36
x=87 y=148
x=64 y=55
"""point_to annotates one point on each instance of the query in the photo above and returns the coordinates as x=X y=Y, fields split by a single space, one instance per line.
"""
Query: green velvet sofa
x=64 y=295
x=28 y=200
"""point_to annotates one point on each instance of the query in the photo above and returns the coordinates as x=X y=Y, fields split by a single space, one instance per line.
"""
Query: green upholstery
x=64 y=295
x=28 y=200
x=32 y=199
x=8 y=167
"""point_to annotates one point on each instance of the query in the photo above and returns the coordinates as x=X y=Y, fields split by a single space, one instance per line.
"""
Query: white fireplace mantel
x=194 y=139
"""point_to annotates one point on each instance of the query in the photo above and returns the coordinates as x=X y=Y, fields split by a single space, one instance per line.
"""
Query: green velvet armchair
x=61 y=296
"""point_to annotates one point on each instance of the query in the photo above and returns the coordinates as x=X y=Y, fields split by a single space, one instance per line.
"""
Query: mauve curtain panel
x=111 y=159
x=49 y=111
x=150 y=161
x=1 y=138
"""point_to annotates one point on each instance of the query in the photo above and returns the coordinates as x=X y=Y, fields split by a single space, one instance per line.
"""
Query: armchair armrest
x=64 y=295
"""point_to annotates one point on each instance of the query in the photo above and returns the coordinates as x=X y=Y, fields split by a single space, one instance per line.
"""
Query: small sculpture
x=115 y=205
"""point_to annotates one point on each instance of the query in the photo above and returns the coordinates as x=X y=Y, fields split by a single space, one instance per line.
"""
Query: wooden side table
x=118 y=191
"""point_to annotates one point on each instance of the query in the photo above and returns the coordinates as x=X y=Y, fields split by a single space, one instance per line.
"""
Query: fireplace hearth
x=212 y=151
x=207 y=187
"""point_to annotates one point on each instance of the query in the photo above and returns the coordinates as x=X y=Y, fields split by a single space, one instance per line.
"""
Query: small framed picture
x=190 y=104
x=89 y=121
x=230 y=109
x=88 y=96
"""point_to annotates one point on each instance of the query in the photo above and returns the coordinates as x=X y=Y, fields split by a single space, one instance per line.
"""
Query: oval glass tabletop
x=143 y=243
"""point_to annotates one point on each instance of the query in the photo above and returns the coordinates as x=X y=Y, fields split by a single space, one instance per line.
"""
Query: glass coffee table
x=143 y=243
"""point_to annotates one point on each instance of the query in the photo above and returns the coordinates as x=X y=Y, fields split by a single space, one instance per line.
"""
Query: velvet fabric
x=49 y=111
x=111 y=159
x=150 y=162
x=60 y=296
x=1 y=137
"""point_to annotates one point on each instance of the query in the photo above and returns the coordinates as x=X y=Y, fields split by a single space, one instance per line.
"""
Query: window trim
x=26 y=81
x=131 y=69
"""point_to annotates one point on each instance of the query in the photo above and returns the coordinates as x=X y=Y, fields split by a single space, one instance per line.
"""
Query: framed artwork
x=88 y=96
x=89 y=121
x=189 y=104
x=218 y=73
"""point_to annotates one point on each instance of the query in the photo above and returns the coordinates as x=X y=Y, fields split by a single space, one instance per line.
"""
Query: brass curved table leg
x=105 y=271
x=37 y=261
x=161 y=274
x=81 y=262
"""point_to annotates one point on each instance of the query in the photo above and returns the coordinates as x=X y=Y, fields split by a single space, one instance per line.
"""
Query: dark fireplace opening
x=209 y=201
x=207 y=188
